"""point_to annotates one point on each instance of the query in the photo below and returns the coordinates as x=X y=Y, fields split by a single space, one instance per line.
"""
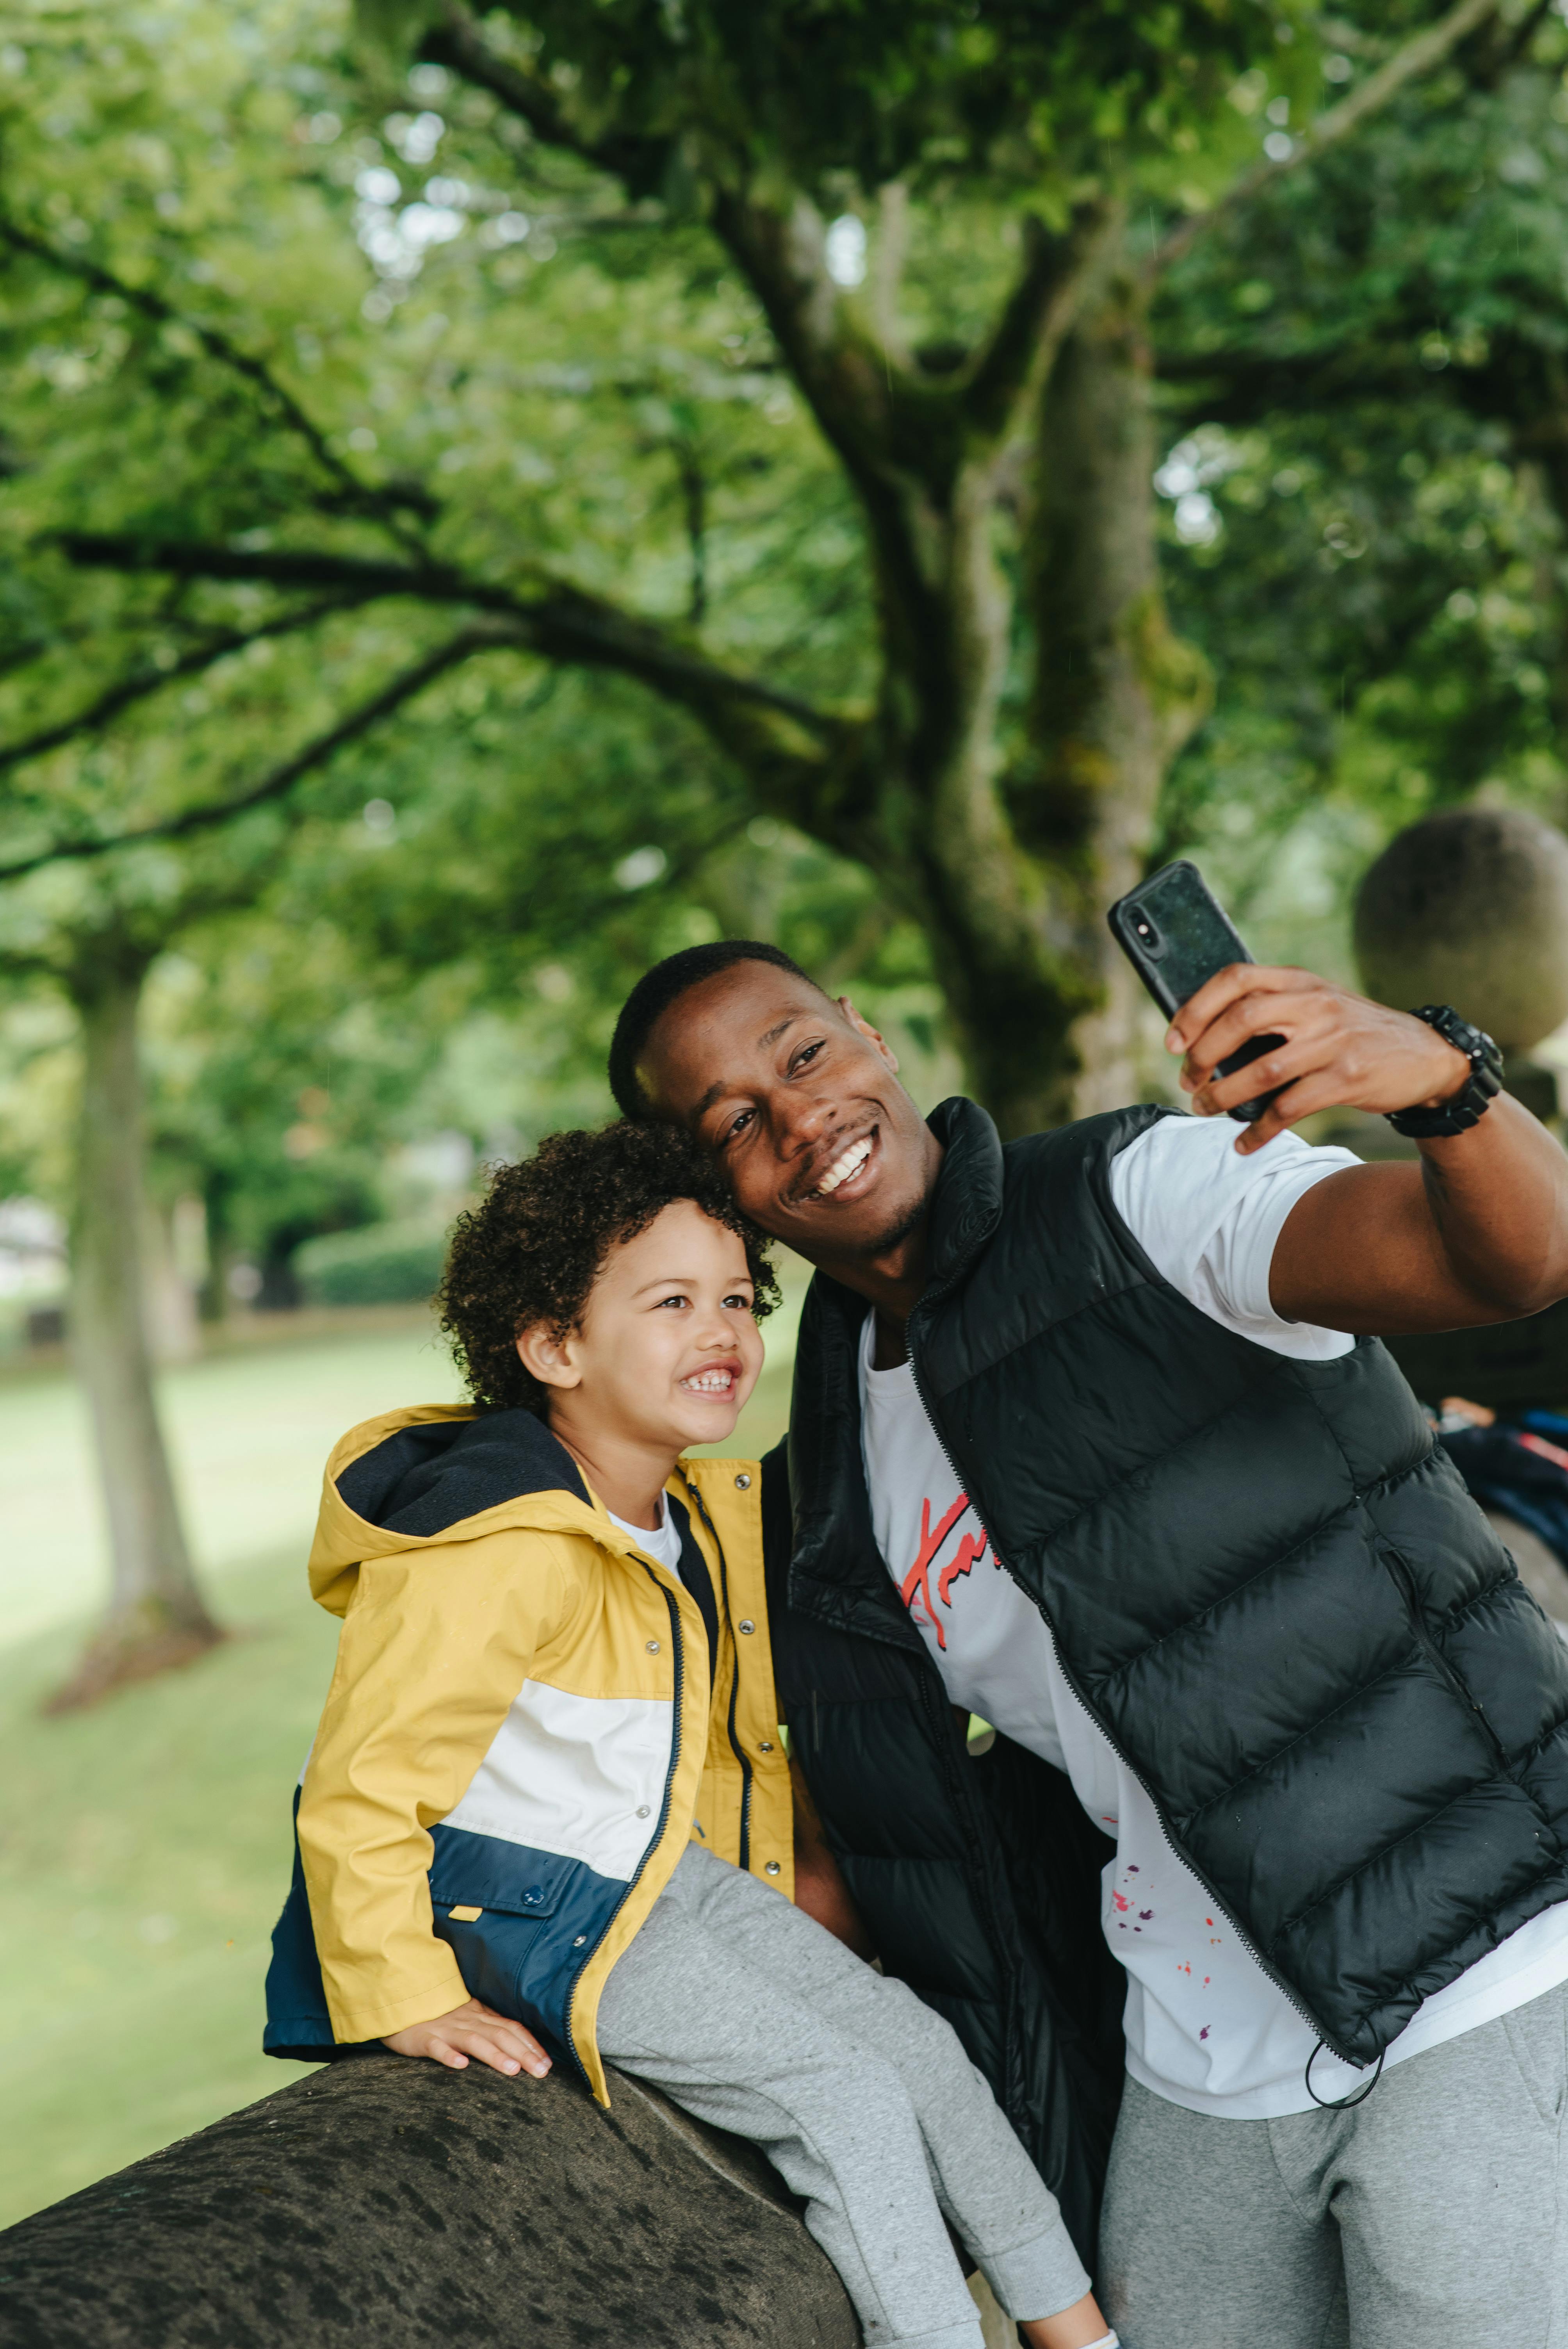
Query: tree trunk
x=1116 y=693
x=156 y=1615
x=950 y=849
x=173 y=1327
x=1010 y=875
x=381 y=2201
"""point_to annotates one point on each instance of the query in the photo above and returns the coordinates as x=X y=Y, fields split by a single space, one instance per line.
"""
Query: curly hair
x=533 y=1248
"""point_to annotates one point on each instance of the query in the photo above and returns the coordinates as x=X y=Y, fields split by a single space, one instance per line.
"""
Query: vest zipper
x=653 y=1841
x=734 y=1746
x=932 y=1297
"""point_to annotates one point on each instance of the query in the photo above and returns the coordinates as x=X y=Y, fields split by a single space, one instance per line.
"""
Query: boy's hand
x=473 y=2029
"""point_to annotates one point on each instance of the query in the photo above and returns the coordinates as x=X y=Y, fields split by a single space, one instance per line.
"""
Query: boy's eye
x=743 y=1303
x=676 y=1299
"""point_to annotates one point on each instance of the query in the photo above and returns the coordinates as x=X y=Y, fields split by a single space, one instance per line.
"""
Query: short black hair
x=533 y=1248
x=658 y=990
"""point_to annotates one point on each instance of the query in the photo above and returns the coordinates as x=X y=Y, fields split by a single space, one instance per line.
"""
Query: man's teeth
x=849 y=1163
x=710 y=1381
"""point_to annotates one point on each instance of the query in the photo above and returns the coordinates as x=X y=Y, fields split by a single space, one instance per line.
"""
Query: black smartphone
x=1176 y=935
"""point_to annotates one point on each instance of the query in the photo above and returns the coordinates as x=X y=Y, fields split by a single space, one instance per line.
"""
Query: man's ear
x=547 y=1357
x=871 y=1034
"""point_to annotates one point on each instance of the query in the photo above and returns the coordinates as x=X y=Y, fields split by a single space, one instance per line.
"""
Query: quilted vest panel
x=1265 y=1581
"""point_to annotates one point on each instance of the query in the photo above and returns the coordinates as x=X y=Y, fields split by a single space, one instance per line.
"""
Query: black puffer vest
x=1265 y=1581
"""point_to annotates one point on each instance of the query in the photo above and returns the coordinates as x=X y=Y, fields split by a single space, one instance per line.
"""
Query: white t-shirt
x=1205 y=2027
x=662 y=1546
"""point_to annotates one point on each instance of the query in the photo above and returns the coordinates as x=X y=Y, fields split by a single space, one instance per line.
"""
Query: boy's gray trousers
x=1432 y=2216
x=755 y=2019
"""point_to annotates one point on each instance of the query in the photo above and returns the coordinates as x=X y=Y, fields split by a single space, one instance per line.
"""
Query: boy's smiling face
x=667 y=1349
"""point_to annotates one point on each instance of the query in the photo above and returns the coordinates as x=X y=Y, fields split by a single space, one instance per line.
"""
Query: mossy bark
x=1010 y=863
x=396 y=2203
x=1116 y=692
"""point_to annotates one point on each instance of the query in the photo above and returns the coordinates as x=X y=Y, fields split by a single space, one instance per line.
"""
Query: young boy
x=546 y=1807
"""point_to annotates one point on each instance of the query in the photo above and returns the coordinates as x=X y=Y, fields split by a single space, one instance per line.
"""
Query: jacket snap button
x=745 y=1624
x=643 y=1810
x=653 y=1647
x=577 y=1944
x=771 y=1869
x=766 y=1746
x=743 y=1483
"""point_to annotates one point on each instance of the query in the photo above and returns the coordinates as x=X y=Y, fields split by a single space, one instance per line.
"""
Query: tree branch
x=143 y=682
x=362 y=495
x=561 y=622
x=457 y=43
x=847 y=376
x=1013 y=364
x=1418 y=57
x=282 y=779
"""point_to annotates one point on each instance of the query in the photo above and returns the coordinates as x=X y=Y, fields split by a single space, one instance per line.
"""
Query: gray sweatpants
x=755 y=2019
x=1433 y=2216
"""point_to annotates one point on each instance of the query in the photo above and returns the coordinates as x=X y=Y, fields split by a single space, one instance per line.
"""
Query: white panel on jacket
x=580 y=1775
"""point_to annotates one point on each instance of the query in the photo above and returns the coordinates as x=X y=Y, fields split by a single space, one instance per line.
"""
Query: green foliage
x=271 y=298
x=383 y=1264
x=871 y=90
x=1364 y=375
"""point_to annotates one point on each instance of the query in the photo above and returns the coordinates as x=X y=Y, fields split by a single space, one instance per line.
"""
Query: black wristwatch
x=1474 y=1097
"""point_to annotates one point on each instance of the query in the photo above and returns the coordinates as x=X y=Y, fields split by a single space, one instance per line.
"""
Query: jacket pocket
x=520 y=1923
x=498 y=1955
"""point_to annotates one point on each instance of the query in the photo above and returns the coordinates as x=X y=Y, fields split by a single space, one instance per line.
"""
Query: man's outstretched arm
x=1477 y=1233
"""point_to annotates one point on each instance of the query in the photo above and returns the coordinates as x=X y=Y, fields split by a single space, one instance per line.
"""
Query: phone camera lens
x=1143 y=929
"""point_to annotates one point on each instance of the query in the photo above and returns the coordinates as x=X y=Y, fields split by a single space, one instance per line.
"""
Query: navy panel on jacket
x=435 y=1473
x=298 y=2026
x=542 y=1917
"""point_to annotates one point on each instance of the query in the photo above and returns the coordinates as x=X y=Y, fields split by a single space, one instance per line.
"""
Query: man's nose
x=804 y=1116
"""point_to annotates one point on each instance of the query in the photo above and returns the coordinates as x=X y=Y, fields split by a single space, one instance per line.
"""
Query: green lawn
x=144 y=1847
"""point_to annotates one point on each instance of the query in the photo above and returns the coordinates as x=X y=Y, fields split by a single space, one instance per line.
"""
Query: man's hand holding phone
x=1339 y=1050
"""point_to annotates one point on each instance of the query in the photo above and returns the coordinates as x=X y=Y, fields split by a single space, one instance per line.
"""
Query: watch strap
x=1474 y=1097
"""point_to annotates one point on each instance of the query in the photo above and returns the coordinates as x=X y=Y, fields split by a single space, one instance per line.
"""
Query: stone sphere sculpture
x=1471 y=908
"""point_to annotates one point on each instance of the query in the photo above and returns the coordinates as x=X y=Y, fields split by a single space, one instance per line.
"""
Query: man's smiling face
x=800 y=1102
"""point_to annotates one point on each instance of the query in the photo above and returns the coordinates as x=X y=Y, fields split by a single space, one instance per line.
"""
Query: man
x=1090 y=1438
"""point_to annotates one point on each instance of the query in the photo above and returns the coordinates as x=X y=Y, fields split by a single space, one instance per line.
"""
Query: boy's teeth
x=849 y=1163
x=711 y=1382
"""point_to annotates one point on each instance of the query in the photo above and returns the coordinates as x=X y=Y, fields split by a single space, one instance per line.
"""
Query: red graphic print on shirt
x=916 y=1583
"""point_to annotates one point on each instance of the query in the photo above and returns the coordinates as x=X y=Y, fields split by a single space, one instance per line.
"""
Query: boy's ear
x=547 y=1358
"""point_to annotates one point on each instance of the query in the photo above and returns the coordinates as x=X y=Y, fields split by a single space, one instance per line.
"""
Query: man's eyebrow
x=717 y=1091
